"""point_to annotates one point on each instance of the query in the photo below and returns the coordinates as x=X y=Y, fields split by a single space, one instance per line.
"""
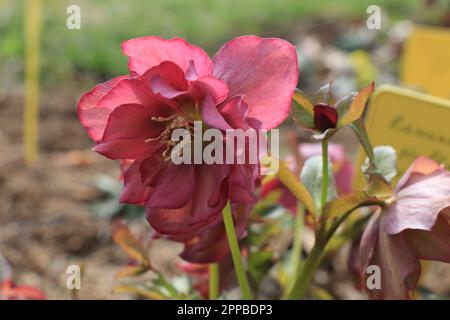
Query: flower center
x=175 y=121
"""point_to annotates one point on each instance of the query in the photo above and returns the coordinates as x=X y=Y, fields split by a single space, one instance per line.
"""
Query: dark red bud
x=325 y=117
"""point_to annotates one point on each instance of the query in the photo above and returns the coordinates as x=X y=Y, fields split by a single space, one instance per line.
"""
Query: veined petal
x=167 y=79
x=147 y=52
x=419 y=204
x=94 y=119
x=265 y=71
x=434 y=244
x=399 y=267
x=163 y=195
x=134 y=191
x=422 y=165
x=128 y=128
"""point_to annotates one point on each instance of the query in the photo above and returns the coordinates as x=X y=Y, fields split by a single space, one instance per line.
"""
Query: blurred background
x=57 y=212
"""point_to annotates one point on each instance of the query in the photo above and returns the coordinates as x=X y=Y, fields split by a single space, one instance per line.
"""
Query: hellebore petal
x=399 y=267
x=131 y=91
x=325 y=117
x=147 y=52
x=167 y=79
x=422 y=165
x=211 y=116
x=413 y=225
x=128 y=128
x=172 y=221
x=208 y=198
x=433 y=244
x=134 y=190
x=92 y=118
x=210 y=244
x=210 y=85
x=163 y=196
x=235 y=112
x=418 y=204
x=265 y=71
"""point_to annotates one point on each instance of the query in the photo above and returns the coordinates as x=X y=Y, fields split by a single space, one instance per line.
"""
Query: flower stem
x=308 y=269
x=306 y=272
x=324 y=173
x=235 y=253
x=213 y=281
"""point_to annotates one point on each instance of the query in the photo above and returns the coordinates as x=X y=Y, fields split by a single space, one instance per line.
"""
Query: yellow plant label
x=425 y=63
x=413 y=123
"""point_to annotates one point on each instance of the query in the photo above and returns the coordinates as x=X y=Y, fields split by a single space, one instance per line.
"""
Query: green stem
x=297 y=243
x=306 y=273
x=324 y=173
x=213 y=281
x=323 y=224
x=235 y=253
x=172 y=290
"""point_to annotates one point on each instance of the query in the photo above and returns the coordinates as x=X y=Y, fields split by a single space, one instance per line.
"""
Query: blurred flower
x=248 y=84
x=10 y=291
x=342 y=169
x=415 y=225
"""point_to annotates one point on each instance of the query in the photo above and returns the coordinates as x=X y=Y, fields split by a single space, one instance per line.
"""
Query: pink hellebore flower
x=415 y=226
x=249 y=84
x=342 y=169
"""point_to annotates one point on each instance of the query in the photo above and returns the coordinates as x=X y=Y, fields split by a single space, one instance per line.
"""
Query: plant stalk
x=235 y=253
x=213 y=281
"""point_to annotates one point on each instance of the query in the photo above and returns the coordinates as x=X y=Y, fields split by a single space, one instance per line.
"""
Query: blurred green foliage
x=95 y=49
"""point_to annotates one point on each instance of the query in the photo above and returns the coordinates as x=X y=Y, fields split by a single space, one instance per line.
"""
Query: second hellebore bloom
x=416 y=225
x=249 y=84
x=342 y=170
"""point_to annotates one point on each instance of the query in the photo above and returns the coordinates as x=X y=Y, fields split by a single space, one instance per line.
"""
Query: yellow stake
x=32 y=39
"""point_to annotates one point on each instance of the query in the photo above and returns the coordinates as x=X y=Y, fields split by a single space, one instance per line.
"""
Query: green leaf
x=302 y=110
x=348 y=202
x=385 y=161
x=356 y=109
x=325 y=95
x=311 y=176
